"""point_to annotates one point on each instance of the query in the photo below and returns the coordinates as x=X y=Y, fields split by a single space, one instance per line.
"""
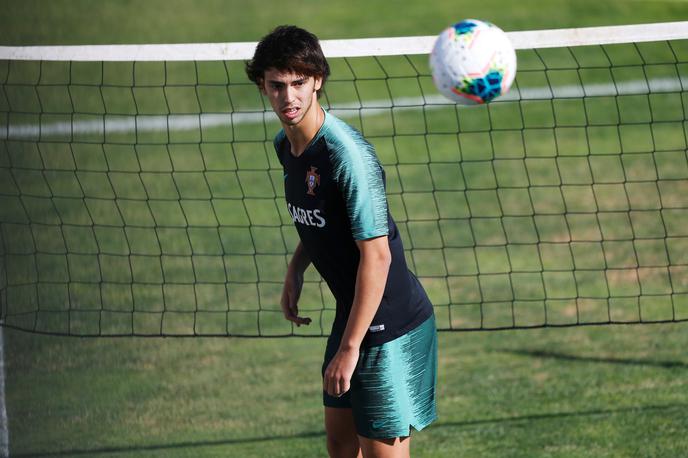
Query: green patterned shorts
x=393 y=386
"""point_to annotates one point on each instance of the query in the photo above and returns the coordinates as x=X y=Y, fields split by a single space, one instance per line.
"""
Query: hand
x=293 y=283
x=337 y=380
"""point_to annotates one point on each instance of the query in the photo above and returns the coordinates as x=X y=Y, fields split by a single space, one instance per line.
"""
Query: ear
x=261 y=86
x=318 y=83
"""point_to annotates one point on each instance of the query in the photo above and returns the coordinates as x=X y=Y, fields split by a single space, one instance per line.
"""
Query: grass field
x=598 y=391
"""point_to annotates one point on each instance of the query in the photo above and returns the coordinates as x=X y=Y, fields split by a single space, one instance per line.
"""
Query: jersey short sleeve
x=359 y=176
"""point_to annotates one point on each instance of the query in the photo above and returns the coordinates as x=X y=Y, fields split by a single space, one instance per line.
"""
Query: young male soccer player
x=380 y=363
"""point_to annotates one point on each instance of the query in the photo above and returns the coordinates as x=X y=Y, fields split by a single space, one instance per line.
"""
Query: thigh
x=342 y=439
x=397 y=447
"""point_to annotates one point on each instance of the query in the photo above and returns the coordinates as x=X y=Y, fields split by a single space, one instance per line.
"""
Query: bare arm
x=371 y=279
x=293 y=282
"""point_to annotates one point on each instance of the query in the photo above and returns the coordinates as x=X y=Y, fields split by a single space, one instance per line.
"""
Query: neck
x=301 y=134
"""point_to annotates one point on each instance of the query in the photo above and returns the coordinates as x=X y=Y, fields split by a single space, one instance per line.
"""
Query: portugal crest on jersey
x=312 y=180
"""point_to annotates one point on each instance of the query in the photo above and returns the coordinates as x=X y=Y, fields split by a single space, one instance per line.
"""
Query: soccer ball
x=473 y=62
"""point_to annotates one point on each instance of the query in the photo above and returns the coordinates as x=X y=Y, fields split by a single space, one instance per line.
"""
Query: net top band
x=554 y=38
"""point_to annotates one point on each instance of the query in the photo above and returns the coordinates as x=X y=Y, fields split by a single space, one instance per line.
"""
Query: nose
x=289 y=93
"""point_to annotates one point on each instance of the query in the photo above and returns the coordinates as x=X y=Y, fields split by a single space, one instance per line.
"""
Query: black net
x=145 y=198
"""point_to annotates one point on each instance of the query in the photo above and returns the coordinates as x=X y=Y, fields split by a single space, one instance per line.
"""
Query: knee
x=343 y=447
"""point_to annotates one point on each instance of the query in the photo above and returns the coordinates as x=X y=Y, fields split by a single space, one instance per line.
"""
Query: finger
x=294 y=309
x=327 y=382
x=331 y=381
x=335 y=386
x=289 y=316
x=344 y=387
x=297 y=320
x=338 y=391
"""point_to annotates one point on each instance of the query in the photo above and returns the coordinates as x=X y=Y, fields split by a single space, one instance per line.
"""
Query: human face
x=291 y=96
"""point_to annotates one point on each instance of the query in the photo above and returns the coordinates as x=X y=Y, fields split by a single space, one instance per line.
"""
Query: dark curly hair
x=288 y=48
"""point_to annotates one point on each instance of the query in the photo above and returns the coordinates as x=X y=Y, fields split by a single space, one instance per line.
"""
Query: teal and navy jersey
x=335 y=193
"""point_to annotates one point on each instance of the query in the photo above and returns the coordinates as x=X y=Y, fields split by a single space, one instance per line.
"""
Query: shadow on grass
x=318 y=434
x=172 y=446
x=593 y=359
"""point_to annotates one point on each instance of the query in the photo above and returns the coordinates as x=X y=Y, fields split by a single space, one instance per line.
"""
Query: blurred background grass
x=182 y=21
x=608 y=391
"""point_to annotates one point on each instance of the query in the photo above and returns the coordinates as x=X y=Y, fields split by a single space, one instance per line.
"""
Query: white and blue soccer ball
x=473 y=62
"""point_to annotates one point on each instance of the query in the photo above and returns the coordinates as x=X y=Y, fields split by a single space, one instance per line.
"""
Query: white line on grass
x=99 y=125
x=531 y=39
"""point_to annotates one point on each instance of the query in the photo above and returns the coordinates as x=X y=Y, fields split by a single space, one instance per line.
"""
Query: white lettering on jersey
x=306 y=217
